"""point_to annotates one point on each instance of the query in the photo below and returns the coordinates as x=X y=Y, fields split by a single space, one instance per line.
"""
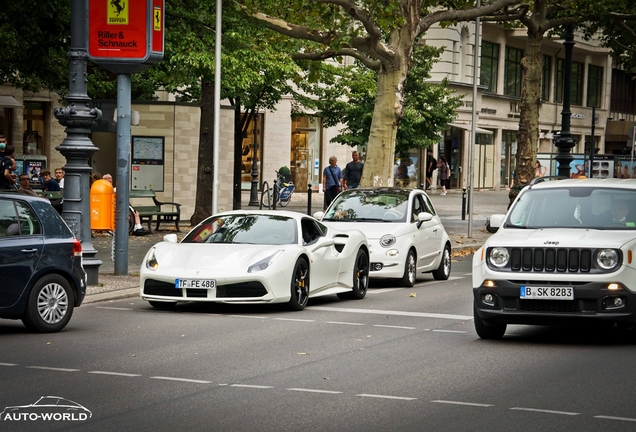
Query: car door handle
x=29 y=251
x=435 y=230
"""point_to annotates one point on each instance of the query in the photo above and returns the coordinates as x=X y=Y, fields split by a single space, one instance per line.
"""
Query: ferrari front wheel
x=299 y=286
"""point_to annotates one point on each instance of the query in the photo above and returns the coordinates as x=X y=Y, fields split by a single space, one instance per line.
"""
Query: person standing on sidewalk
x=444 y=174
x=331 y=181
x=7 y=162
x=353 y=172
x=431 y=165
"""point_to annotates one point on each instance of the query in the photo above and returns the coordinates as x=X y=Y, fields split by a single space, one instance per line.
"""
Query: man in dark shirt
x=7 y=179
x=353 y=171
x=50 y=185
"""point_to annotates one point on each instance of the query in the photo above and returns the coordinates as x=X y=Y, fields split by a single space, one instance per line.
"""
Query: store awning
x=9 y=102
x=469 y=128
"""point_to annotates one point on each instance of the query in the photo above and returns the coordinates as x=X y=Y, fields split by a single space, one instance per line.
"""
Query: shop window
x=34 y=129
x=251 y=153
x=305 y=152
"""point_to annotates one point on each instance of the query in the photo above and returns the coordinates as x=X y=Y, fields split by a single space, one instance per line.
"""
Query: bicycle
x=280 y=193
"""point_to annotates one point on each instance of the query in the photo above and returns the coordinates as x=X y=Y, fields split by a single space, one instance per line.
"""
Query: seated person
x=617 y=214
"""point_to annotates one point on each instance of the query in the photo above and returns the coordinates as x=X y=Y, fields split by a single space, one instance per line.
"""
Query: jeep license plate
x=195 y=283
x=546 y=293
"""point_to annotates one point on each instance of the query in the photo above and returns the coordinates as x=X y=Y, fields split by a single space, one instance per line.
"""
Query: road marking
x=398 y=313
x=294 y=319
x=114 y=308
x=344 y=323
x=251 y=386
x=433 y=282
x=616 y=418
x=181 y=379
x=314 y=391
x=450 y=331
x=383 y=290
x=53 y=369
x=114 y=373
x=386 y=397
x=462 y=403
x=395 y=327
x=8 y=364
x=545 y=411
x=248 y=316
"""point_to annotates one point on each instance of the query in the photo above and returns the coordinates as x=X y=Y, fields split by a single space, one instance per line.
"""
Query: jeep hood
x=561 y=237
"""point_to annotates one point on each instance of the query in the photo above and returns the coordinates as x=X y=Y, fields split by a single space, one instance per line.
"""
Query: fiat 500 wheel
x=444 y=269
x=50 y=305
x=410 y=270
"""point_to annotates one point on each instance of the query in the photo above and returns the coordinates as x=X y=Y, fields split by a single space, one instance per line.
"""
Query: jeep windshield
x=575 y=207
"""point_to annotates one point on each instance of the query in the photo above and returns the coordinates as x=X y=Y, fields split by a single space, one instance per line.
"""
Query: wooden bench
x=162 y=211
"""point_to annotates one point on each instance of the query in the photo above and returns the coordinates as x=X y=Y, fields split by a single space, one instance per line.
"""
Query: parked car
x=564 y=253
x=40 y=264
x=406 y=236
x=256 y=257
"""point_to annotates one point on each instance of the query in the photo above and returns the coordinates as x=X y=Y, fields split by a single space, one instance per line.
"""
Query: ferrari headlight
x=499 y=257
x=387 y=240
x=264 y=263
x=151 y=261
x=607 y=259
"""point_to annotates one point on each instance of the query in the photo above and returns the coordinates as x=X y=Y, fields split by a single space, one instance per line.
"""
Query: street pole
x=473 y=132
x=123 y=174
x=564 y=141
x=77 y=148
x=592 y=144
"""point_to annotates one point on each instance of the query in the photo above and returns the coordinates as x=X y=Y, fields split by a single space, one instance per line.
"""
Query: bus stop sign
x=126 y=36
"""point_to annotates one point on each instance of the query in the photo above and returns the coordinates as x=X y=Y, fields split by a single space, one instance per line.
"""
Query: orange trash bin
x=102 y=206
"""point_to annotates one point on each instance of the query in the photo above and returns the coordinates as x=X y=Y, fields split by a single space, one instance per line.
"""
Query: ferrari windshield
x=245 y=229
x=576 y=207
x=360 y=205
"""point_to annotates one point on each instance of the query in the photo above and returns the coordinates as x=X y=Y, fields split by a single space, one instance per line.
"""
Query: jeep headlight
x=499 y=257
x=607 y=259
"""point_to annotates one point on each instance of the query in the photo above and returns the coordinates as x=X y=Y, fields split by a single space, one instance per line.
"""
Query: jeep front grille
x=572 y=260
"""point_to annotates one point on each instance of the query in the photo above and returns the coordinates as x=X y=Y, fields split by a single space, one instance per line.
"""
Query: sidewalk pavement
x=449 y=207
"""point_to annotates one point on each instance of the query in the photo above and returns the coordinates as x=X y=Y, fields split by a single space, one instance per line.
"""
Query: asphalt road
x=402 y=359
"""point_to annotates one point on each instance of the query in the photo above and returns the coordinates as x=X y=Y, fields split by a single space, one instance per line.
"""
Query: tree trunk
x=388 y=110
x=528 y=135
x=205 y=170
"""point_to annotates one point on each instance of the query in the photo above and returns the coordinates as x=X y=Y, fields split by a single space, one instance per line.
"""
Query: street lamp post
x=254 y=188
x=77 y=148
x=564 y=141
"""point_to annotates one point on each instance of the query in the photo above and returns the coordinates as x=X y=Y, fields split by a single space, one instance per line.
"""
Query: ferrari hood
x=226 y=257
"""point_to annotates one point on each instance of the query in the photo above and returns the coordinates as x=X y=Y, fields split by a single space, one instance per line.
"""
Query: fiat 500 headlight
x=499 y=257
x=607 y=259
x=387 y=240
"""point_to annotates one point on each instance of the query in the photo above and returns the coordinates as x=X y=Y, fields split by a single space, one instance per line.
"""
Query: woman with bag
x=444 y=174
x=331 y=181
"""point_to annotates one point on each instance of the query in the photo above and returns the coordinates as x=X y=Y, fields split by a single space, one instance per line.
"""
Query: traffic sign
x=125 y=36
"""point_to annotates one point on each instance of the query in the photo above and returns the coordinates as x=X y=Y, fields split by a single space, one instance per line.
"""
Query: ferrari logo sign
x=157 y=19
x=117 y=12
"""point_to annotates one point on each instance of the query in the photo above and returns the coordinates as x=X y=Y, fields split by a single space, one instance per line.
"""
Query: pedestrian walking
x=331 y=181
x=353 y=172
x=444 y=174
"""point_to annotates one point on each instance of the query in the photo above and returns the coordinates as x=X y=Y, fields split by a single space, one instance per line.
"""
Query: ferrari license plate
x=547 y=293
x=195 y=283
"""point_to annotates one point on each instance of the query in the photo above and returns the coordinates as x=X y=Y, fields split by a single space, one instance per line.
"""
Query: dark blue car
x=41 y=275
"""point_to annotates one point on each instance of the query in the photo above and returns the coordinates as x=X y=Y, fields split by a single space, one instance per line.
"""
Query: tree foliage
x=346 y=96
x=380 y=35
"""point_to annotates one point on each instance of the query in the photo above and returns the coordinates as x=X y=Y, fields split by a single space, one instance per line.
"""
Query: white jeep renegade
x=565 y=251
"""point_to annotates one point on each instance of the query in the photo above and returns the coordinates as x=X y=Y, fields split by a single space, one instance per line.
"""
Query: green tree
x=541 y=18
x=350 y=95
x=381 y=35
